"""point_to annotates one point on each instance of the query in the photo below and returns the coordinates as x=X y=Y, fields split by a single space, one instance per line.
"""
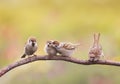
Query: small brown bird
x=65 y=48
x=95 y=51
x=30 y=47
x=49 y=49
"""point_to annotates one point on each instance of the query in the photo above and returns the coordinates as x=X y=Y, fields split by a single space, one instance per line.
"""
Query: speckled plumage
x=95 y=51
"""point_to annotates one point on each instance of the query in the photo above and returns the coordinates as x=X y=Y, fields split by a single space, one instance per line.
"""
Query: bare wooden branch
x=46 y=57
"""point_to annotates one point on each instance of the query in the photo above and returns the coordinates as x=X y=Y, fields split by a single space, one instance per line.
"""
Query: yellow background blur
x=63 y=20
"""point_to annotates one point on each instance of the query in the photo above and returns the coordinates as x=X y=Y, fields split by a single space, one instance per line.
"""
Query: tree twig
x=46 y=57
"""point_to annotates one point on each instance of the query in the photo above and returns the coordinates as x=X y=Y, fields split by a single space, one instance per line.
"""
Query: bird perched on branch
x=49 y=49
x=64 y=48
x=95 y=51
x=30 y=47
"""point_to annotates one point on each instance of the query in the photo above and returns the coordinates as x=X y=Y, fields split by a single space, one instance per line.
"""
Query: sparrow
x=65 y=48
x=30 y=47
x=95 y=51
x=49 y=49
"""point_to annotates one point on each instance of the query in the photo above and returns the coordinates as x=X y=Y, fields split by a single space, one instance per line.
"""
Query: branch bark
x=46 y=57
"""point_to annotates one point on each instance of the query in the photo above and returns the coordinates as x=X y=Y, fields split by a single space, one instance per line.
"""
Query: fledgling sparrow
x=30 y=47
x=49 y=49
x=64 y=48
x=95 y=51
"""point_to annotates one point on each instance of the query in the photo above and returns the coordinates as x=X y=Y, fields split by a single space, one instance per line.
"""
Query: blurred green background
x=63 y=20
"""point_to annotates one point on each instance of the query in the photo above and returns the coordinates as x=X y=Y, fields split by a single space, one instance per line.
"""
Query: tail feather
x=23 y=56
x=76 y=45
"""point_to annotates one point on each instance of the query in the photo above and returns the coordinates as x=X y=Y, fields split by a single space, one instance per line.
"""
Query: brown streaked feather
x=65 y=46
x=56 y=43
x=96 y=39
x=69 y=46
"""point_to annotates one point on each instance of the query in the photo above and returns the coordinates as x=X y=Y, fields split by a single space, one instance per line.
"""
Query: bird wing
x=69 y=46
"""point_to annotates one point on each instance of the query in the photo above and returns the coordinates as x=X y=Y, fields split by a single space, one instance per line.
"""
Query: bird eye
x=31 y=40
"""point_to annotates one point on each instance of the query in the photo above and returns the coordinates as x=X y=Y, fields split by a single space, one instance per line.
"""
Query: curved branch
x=46 y=57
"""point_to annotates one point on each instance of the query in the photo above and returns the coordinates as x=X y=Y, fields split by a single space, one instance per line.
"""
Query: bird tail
x=76 y=45
x=23 y=56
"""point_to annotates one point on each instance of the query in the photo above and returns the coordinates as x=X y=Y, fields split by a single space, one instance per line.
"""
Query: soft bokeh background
x=63 y=20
